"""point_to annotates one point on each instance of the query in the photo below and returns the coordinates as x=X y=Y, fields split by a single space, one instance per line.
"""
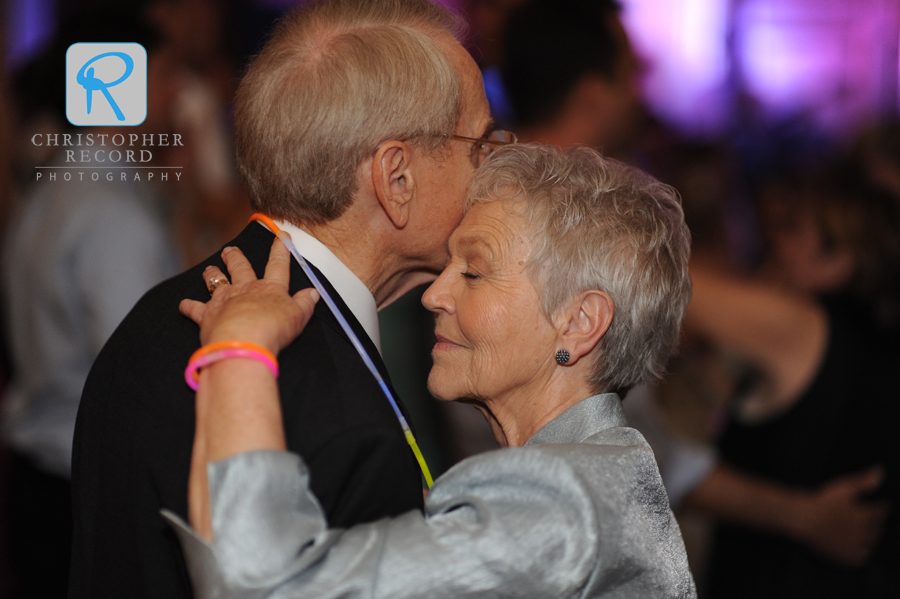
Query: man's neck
x=346 y=283
x=383 y=270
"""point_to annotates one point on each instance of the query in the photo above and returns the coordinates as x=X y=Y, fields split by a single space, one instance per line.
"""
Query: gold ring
x=213 y=282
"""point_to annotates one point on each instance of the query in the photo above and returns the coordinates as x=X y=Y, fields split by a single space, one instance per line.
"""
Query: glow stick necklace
x=410 y=438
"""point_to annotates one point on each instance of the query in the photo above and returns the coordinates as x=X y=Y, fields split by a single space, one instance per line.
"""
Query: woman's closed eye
x=471 y=275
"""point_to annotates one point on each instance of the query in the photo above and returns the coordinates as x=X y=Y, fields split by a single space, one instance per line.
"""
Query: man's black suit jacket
x=135 y=428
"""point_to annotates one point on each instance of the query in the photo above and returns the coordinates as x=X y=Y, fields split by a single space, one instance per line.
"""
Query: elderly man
x=358 y=131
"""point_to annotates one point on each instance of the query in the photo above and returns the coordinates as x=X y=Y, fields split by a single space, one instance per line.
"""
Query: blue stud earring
x=562 y=356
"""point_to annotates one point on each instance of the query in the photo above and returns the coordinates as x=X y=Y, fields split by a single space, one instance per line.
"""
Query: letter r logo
x=106 y=84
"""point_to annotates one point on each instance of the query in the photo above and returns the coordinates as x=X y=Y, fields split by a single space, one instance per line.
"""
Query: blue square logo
x=106 y=84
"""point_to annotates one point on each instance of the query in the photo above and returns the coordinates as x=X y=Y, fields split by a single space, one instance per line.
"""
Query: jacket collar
x=583 y=420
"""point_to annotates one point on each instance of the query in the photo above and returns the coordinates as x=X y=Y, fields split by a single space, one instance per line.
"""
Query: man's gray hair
x=337 y=79
x=600 y=224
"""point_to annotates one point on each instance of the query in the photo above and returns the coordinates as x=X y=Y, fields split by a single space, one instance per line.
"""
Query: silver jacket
x=580 y=511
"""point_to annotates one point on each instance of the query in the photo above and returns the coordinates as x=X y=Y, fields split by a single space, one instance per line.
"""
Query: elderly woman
x=566 y=286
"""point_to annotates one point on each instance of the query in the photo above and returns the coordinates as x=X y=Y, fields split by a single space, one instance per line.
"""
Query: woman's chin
x=439 y=386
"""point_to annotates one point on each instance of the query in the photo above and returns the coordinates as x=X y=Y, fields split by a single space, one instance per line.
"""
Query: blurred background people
x=808 y=460
x=212 y=207
x=570 y=75
x=77 y=256
x=79 y=253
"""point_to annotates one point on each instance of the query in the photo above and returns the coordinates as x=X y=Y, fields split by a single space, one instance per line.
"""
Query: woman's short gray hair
x=600 y=224
x=335 y=80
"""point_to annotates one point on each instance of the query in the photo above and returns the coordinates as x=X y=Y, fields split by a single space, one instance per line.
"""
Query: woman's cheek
x=492 y=333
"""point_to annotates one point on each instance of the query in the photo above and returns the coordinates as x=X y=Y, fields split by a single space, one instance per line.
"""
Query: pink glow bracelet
x=214 y=352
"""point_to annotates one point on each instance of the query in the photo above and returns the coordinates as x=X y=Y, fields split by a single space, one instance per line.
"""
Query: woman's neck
x=517 y=415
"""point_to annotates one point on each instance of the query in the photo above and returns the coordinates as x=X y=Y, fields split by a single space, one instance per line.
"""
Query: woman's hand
x=255 y=310
x=237 y=403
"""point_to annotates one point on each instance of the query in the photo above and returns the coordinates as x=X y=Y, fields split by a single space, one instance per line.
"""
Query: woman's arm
x=237 y=404
x=519 y=523
x=833 y=520
x=782 y=333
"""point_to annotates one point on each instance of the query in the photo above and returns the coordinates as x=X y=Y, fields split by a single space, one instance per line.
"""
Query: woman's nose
x=437 y=296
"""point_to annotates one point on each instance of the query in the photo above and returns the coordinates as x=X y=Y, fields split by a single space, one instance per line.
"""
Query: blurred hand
x=255 y=310
x=838 y=523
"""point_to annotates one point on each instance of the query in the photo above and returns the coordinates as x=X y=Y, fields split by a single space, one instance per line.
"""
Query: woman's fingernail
x=314 y=295
x=226 y=250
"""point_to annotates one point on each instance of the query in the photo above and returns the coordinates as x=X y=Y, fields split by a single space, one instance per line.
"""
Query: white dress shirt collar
x=352 y=290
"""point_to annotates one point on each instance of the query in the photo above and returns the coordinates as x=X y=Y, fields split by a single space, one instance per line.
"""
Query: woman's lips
x=444 y=344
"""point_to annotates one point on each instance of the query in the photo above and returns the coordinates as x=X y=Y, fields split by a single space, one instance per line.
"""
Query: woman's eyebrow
x=474 y=244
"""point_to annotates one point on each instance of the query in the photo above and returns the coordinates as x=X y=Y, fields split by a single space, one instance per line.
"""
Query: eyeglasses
x=482 y=147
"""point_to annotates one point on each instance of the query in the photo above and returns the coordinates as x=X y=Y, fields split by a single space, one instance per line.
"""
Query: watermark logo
x=106 y=84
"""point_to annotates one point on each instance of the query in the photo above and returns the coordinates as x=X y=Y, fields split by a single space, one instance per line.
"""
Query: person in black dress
x=809 y=460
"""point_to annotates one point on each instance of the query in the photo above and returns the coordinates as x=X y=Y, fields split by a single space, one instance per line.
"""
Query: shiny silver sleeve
x=513 y=523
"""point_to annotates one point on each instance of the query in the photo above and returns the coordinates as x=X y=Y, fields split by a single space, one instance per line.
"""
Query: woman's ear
x=584 y=322
x=393 y=181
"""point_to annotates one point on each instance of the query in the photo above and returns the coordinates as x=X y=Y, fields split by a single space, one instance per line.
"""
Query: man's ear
x=584 y=322
x=393 y=181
